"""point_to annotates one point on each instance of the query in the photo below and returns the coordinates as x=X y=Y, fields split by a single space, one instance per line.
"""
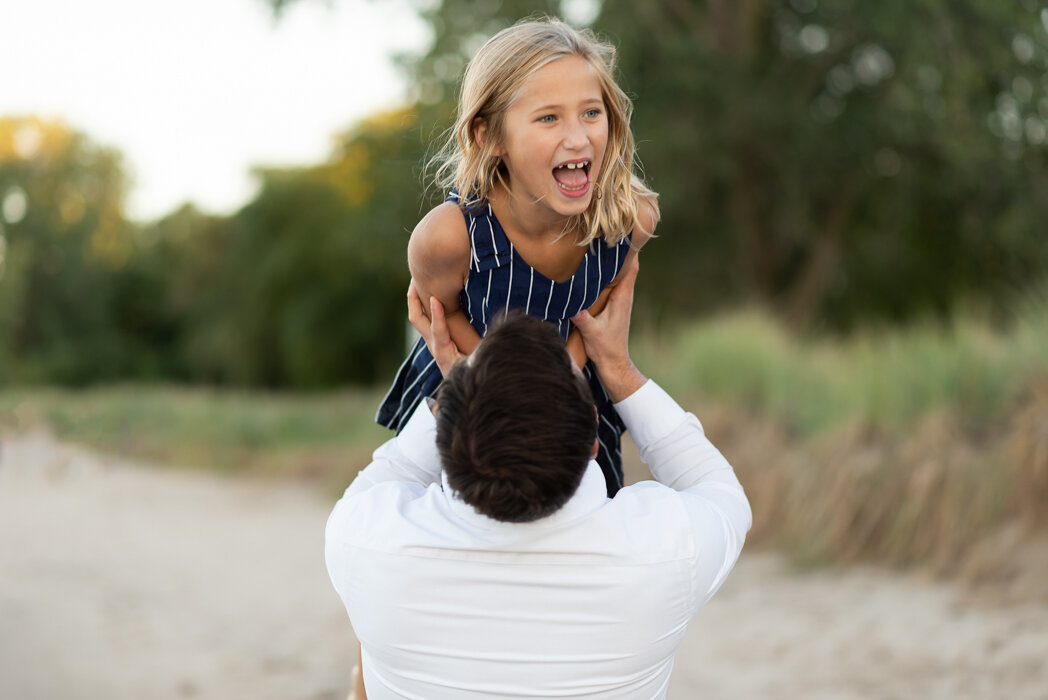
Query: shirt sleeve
x=673 y=444
x=411 y=456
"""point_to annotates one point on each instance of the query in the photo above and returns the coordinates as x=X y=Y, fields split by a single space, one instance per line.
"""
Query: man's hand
x=606 y=337
x=434 y=329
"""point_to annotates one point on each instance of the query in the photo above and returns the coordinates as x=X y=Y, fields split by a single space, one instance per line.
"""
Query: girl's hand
x=433 y=329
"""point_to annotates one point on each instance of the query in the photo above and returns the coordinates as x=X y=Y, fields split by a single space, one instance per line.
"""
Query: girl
x=544 y=208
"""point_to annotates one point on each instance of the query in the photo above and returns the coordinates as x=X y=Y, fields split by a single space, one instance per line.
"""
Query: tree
x=64 y=236
x=310 y=286
x=304 y=287
x=840 y=159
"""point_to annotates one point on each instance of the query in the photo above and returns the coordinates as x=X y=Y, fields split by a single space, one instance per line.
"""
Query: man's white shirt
x=590 y=602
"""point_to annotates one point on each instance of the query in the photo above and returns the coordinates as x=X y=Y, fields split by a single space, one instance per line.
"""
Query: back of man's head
x=516 y=424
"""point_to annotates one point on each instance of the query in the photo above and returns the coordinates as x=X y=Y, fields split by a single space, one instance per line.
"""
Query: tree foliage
x=841 y=160
x=62 y=237
x=303 y=287
x=306 y=284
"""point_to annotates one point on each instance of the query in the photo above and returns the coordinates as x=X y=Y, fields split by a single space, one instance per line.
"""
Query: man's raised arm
x=671 y=442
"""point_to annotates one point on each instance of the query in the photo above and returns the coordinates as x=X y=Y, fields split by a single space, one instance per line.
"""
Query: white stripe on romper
x=410 y=360
x=475 y=259
x=610 y=461
x=494 y=248
x=484 y=308
x=509 y=287
x=473 y=241
x=531 y=283
x=409 y=411
x=606 y=450
x=407 y=390
x=549 y=298
x=585 y=287
x=571 y=288
x=600 y=272
x=469 y=303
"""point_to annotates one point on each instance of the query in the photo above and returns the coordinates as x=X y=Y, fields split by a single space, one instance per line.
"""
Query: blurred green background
x=853 y=248
x=833 y=163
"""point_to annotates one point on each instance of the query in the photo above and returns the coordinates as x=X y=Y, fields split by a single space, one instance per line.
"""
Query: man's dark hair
x=516 y=425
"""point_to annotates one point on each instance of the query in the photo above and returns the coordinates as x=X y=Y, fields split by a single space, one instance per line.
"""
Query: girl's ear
x=479 y=127
x=480 y=133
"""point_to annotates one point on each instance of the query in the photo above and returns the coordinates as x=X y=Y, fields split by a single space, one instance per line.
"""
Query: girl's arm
x=438 y=257
x=647 y=219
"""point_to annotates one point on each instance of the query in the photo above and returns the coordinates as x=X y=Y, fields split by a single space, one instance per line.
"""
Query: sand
x=132 y=581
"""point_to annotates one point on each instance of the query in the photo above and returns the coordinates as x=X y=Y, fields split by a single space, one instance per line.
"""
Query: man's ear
x=596 y=448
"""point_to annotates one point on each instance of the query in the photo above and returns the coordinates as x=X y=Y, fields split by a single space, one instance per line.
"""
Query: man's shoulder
x=380 y=509
x=649 y=495
x=652 y=520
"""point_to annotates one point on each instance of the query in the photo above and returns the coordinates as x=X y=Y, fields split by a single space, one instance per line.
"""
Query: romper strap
x=489 y=246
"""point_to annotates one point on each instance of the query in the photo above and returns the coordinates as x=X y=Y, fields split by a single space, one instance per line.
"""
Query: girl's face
x=555 y=136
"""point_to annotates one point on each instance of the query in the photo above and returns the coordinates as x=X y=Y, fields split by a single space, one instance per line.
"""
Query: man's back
x=591 y=601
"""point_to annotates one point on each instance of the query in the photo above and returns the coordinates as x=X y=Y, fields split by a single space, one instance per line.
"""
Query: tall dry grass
x=923 y=447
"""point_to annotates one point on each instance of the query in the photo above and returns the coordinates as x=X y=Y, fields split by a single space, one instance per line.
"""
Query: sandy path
x=120 y=582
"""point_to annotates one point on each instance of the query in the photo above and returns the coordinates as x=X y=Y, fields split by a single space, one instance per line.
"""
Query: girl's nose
x=575 y=135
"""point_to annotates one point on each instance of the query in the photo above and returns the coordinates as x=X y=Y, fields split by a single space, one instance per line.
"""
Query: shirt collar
x=591 y=494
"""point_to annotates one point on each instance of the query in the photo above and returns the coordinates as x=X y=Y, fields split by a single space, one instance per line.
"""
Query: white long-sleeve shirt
x=590 y=602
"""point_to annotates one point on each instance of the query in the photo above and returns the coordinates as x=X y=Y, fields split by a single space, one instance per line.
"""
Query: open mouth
x=573 y=178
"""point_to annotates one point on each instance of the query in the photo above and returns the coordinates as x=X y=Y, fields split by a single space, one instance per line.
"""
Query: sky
x=197 y=92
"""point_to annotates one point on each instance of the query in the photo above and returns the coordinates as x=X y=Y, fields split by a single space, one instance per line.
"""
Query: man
x=479 y=556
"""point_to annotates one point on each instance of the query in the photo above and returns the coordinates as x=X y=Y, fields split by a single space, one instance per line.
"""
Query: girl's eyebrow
x=555 y=107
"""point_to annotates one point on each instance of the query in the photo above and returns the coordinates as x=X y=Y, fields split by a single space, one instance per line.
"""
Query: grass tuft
x=322 y=436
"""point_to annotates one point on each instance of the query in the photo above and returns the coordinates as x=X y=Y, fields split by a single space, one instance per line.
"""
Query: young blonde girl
x=544 y=209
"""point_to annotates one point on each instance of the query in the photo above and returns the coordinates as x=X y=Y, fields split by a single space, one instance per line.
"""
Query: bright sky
x=196 y=92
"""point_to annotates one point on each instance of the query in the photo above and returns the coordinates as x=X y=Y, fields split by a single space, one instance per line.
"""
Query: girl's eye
x=547 y=119
x=593 y=113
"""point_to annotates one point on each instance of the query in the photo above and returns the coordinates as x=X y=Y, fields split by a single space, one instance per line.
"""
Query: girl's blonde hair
x=492 y=82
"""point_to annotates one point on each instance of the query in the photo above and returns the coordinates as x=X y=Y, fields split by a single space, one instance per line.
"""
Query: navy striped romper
x=500 y=279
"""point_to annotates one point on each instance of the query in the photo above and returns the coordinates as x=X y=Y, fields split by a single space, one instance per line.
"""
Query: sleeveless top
x=499 y=278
